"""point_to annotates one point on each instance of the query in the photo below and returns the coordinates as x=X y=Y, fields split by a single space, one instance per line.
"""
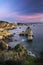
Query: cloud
x=21 y=10
x=28 y=18
x=22 y=18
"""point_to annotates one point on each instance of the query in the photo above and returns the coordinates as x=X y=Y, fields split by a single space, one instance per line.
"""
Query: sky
x=21 y=10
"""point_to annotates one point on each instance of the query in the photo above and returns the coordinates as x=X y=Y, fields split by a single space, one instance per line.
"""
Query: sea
x=36 y=45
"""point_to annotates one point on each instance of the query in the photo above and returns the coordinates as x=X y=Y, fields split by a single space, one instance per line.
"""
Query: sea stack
x=30 y=34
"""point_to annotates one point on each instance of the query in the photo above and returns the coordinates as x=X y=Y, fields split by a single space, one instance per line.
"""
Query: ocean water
x=36 y=46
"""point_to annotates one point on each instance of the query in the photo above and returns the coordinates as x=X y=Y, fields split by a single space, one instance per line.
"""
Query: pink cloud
x=24 y=18
x=28 y=18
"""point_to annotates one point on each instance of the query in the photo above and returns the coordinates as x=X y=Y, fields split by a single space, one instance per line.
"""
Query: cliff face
x=7 y=25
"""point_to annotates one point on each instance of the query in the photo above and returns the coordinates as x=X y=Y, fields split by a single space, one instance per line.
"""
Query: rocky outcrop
x=3 y=45
x=22 y=33
x=4 y=34
x=19 y=53
x=6 y=25
x=29 y=33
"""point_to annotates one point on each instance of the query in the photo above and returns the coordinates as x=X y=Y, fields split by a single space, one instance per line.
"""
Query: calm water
x=36 y=45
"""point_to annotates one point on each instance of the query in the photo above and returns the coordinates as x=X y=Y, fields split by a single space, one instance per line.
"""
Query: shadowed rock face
x=3 y=45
